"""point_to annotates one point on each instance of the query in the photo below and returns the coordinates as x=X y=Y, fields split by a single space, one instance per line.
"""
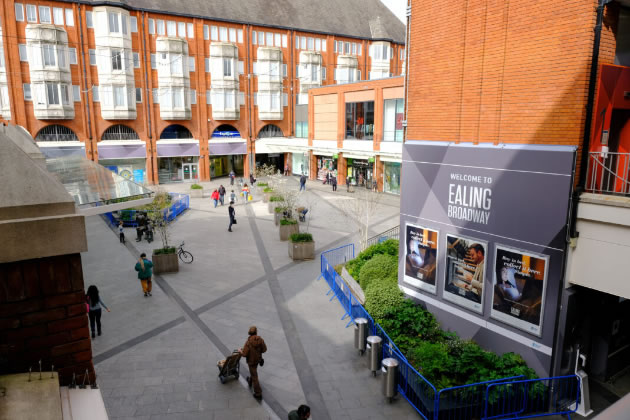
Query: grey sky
x=398 y=7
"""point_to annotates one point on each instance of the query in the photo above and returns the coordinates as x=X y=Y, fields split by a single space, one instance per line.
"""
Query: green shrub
x=276 y=198
x=263 y=184
x=301 y=237
x=285 y=222
x=268 y=190
x=196 y=187
x=379 y=268
x=389 y=247
x=279 y=209
x=161 y=251
x=380 y=297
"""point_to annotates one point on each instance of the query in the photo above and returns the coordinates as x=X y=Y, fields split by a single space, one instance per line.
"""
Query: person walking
x=252 y=351
x=215 y=197
x=327 y=178
x=245 y=192
x=303 y=182
x=121 y=232
x=232 y=197
x=143 y=267
x=252 y=180
x=302 y=413
x=286 y=169
x=95 y=303
x=334 y=183
x=232 y=176
x=221 y=193
x=232 y=215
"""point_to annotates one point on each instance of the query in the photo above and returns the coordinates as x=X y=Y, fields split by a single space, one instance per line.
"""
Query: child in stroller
x=229 y=366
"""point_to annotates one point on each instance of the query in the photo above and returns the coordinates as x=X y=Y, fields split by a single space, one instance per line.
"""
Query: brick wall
x=43 y=316
x=500 y=71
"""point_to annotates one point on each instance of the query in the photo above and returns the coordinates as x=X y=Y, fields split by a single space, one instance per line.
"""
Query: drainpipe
x=406 y=80
x=592 y=84
x=147 y=96
x=87 y=99
x=250 y=104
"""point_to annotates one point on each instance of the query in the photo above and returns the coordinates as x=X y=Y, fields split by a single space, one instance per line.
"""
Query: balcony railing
x=608 y=173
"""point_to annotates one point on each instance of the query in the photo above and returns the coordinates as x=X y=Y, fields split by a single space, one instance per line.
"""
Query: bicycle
x=185 y=256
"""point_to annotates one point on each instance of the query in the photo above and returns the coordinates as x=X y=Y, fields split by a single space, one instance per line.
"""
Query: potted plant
x=267 y=194
x=165 y=258
x=196 y=191
x=278 y=214
x=274 y=201
x=287 y=228
x=261 y=185
x=301 y=246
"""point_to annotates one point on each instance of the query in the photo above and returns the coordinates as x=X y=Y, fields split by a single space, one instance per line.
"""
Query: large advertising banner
x=519 y=288
x=421 y=257
x=465 y=269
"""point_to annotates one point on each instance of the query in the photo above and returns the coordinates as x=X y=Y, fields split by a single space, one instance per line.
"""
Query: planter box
x=302 y=250
x=165 y=263
x=288 y=230
x=353 y=285
x=277 y=217
x=273 y=204
x=196 y=193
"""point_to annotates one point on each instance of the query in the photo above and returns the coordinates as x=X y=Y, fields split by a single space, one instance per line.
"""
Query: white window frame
x=191 y=63
x=223 y=34
x=269 y=39
x=254 y=38
x=133 y=24
x=324 y=42
x=76 y=93
x=161 y=27
x=118 y=92
x=208 y=97
x=65 y=94
x=113 y=23
x=227 y=65
x=23 y=52
x=171 y=28
x=47 y=17
x=181 y=29
x=261 y=38
x=138 y=95
x=156 y=95
x=57 y=13
x=92 y=55
x=52 y=93
x=96 y=97
x=19 y=12
x=297 y=42
x=151 y=26
x=303 y=41
x=311 y=44
x=26 y=88
x=214 y=33
x=72 y=53
x=285 y=41
x=89 y=20
x=239 y=36
x=206 y=64
x=190 y=30
x=136 y=60
x=31 y=13
x=206 y=32
x=69 y=15
x=232 y=34
x=193 y=96
x=117 y=59
x=277 y=40
x=153 y=58
x=318 y=44
x=49 y=54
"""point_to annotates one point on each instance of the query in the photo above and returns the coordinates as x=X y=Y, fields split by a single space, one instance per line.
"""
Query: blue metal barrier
x=504 y=398
x=179 y=203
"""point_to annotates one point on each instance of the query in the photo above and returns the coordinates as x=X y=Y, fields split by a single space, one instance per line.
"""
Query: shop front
x=226 y=156
x=299 y=163
x=391 y=177
x=178 y=161
x=275 y=159
x=326 y=165
x=361 y=172
x=127 y=158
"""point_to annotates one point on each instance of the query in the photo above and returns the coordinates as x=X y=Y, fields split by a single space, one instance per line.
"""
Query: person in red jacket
x=215 y=198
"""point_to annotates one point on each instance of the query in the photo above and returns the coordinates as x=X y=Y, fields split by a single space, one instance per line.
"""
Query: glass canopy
x=91 y=184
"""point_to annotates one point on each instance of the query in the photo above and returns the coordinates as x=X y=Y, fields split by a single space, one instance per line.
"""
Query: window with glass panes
x=393 y=110
x=360 y=120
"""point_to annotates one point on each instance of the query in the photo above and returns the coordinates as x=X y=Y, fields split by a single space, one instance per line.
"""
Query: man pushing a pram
x=252 y=351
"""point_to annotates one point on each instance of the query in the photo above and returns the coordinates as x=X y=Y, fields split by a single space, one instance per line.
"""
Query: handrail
x=393 y=233
x=608 y=173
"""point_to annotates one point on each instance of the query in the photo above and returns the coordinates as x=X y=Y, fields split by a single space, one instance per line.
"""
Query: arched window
x=225 y=131
x=175 y=131
x=270 y=130
x=120 y=132
x=56 y=133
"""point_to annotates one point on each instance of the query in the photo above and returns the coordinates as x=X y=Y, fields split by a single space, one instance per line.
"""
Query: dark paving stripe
x=108 y=354
x=304 y=370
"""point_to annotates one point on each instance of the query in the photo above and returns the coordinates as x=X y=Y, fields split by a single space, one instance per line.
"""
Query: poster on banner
x=465 y=269
x=421 y=257
x=520 y=281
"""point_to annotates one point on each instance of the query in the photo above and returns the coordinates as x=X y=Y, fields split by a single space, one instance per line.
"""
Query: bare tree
x=309 y=202
x=160 y=223
x=360 y=211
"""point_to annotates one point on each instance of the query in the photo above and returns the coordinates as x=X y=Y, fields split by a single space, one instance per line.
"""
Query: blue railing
x=179 y=203
x=504 y=398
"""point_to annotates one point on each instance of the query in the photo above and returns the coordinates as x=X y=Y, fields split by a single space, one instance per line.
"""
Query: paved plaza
x=157 y=356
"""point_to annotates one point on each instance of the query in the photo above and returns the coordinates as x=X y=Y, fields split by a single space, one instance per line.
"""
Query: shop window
x=270 y=130
x=392 y=120
x=120 y=132
x=176 y=131
x=360 y=120
x=56 y=133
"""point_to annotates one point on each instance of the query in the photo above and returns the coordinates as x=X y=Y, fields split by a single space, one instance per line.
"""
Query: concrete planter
x=165 y=263
x=288 y=230
x=353 y=285
x=196 y=193
x=302 y=250
x=273 y=204
x=276 y=217
x=266 y=197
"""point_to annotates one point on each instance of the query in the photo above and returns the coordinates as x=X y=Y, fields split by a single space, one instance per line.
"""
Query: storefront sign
x=226 y=134
x=465 y=269
x=335 y=156
x=421 y=257
x=371 y=160
x=519 y=288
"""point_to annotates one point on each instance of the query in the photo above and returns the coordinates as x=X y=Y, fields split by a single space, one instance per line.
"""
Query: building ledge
x=605 y=199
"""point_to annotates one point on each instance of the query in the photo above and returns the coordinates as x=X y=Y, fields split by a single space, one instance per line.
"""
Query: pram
x=229 y=366
x=302 y=213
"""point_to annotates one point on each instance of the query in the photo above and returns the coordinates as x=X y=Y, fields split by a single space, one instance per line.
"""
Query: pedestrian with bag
x=221 y=193
x=94 y=304
x=303 y=182
x=252 y=351
x=334 y=183
x=232 y=176
x=252 y=180
x=215 y=197
x=302 y=413
x=232 y=214
x=121 y=232
x=245 y=192
x=144 y=268
x=232 y=197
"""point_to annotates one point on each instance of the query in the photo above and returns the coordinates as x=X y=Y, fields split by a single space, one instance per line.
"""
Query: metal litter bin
x=360 y=334
x=390 y=371
x=375 y=349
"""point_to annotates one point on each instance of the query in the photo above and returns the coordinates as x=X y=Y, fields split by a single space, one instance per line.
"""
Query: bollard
x=390 y=370
x=375 y=348
x=360 y=334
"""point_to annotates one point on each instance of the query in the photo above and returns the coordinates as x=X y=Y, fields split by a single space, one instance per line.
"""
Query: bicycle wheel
x=186 y=257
